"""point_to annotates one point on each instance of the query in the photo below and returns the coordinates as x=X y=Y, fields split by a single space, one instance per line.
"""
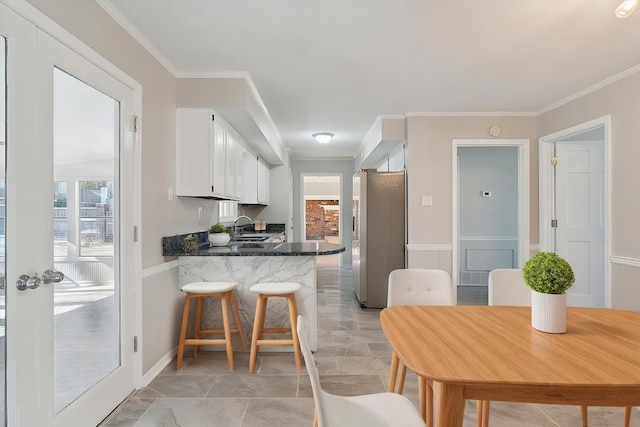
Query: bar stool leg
x=198 y=324
x=226 y=325
x=183 y=330
x=293 y=316
x=236 y=314
x=257 y=332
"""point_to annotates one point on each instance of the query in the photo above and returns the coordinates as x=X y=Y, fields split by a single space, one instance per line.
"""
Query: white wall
x=621 y=100
x=429 y=173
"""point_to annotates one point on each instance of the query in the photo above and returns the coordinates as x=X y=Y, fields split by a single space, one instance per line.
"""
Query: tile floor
x=353 y=358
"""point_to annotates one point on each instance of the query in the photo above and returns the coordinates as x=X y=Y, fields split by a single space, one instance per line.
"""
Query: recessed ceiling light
x=323 y=137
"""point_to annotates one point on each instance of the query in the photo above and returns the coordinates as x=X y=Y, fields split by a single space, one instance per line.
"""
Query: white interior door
x=70 y=205
x=580 y=210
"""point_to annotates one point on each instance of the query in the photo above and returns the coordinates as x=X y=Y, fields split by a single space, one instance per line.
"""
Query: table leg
x=450 y=401
x=422 y=397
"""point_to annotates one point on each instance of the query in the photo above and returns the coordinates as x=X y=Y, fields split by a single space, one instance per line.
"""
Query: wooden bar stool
x=265 y=291
x=199 y=291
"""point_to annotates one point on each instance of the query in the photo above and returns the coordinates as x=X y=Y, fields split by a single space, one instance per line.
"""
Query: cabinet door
x=219 y=159
x=193 y=152
x=239 y=155
x=230 y=163
x=250 y=178
x=263 y=182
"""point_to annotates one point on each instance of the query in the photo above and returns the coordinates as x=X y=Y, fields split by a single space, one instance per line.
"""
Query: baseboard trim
x=158 y=367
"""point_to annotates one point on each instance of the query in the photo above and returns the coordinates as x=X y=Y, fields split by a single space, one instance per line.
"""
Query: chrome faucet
x=235 y=223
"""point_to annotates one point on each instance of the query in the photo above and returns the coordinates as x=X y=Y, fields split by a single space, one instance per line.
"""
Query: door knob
x=52 y=276
x=25 y=282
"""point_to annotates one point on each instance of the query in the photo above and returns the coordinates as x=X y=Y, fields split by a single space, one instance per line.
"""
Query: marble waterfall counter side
x=259 y=267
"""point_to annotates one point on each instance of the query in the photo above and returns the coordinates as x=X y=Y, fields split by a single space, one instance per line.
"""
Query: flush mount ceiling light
x=323 y=137
x=626 y=8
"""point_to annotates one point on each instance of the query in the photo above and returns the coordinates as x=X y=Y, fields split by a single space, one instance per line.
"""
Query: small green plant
x=548 y=273
x=218 y=228
x=190 y=243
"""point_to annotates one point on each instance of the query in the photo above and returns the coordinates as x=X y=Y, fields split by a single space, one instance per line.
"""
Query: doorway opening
x=321 y=213
x=490 y=208
x=575 y=206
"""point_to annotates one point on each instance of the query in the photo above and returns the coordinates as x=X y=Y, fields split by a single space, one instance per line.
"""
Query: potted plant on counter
x=219 y=235
x=549 y=276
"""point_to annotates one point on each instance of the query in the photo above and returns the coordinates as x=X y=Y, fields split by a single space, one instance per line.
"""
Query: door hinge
x=135 y=233
x=554 y=161
x=554 y=223
x=135 y=344
x=135 y=123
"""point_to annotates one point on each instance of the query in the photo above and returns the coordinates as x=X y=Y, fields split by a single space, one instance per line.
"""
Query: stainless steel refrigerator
x=379 y=233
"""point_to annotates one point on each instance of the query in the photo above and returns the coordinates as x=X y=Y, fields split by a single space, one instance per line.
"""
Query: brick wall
x=322 y=222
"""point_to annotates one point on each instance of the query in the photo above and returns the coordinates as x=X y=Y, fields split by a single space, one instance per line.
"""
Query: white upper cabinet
x=263 y=182
x=219 y=156
x=256 y=180
x=194 y=153
x=207 y=156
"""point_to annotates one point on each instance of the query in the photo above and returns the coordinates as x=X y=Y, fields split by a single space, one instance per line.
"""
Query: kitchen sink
x=250 y=238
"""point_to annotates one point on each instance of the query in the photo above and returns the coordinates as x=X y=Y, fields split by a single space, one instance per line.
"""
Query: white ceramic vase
x=219 y=239
x=549 y=312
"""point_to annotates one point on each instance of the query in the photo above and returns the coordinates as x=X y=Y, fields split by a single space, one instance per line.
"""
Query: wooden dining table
x=493 y=353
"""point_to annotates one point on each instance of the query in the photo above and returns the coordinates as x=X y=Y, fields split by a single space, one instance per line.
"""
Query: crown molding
x=604 y=83
x=473 y=114
x=137 y=35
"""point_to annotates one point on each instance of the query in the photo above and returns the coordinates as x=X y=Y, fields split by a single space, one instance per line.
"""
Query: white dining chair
x=368 y=410
x=507 y=287
x=416 y=286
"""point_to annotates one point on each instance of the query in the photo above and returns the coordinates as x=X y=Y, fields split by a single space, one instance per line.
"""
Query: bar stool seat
x=199 y=291
x=267 y=290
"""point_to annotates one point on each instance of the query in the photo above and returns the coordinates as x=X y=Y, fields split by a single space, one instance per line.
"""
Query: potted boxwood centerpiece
x=549 y=276
x=219 y=235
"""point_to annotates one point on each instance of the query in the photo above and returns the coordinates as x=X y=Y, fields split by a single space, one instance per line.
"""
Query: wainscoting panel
x=479 y=255
x=429 y=256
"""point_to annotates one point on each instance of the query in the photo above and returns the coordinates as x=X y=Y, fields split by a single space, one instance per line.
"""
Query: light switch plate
x=427 y=200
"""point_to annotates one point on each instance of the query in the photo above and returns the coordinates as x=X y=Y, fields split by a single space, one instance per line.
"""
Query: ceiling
x=336 y=65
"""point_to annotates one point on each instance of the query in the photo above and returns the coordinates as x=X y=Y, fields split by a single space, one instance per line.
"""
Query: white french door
x=70 y=209
x=580 y=210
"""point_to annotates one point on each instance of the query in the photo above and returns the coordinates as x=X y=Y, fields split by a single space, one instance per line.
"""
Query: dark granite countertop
x=261 y=249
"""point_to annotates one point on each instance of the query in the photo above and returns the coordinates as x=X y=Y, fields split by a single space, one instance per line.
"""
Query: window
x=96 y=218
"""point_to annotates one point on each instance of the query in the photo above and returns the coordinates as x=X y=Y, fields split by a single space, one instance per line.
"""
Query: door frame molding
x=523 y=196
x=547 y=191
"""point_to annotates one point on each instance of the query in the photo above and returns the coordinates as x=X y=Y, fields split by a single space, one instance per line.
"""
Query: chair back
x=318 y=394
x=507 y=287
x=418 y=286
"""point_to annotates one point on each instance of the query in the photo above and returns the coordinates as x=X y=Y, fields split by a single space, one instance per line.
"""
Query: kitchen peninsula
x=249 y=263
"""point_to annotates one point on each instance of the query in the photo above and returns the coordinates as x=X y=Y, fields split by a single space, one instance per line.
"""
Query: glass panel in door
x=85 y=190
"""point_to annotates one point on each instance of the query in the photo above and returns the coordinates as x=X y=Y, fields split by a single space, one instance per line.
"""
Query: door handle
x=25 y=282
x=52 y=276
